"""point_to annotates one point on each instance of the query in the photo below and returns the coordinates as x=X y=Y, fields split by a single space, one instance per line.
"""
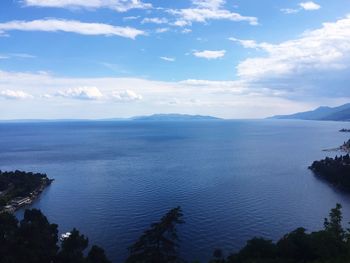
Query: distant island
x=19 y=188
x=174 y=117
x=154 y=117
x=344 y=130
x=341 y=113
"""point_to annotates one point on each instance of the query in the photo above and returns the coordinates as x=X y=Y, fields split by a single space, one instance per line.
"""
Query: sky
x=235 y=59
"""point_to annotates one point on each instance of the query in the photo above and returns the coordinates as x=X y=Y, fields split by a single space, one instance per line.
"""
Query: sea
x=234 y=180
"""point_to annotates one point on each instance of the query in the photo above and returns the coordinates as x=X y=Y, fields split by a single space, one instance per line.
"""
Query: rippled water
x=233 y=179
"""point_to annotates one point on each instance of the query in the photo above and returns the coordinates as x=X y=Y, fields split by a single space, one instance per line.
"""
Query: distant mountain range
x=155 y=117
x=340 y=113
x=174 y=117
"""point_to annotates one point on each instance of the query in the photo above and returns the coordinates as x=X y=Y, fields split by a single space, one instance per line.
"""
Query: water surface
x=233 y=179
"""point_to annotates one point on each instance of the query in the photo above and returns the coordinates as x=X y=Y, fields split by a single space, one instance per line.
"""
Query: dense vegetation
x=330 y=245
x=346 y=145
x=17 y=183
x=160 y=242
x=35 y=240
x=335 y=170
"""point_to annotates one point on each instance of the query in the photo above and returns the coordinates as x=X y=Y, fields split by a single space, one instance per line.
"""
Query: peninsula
x=18 y=189
x=334 y=170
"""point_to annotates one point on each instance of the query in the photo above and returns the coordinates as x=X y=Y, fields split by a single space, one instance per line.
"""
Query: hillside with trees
x=34 y=240
x=20 y=184
x=334 y=170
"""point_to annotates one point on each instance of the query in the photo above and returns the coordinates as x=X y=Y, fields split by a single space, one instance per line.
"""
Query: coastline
x=19 y=202
x=344 y=148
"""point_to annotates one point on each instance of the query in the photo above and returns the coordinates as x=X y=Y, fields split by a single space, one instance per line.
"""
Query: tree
x=218 y=256
x=73 y=248
x=296 y=245
x=37 y=238
x=333 y=224
x=97 y=255
x=8 y=237
x=159 y=243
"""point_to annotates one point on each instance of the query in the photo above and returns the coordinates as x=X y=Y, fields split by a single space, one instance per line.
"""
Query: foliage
x=35 y=240
x=335 y=171
x=19 y=184
x=159 y=243
x=330 y=245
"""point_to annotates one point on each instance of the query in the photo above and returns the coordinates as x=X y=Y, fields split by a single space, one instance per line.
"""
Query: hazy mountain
x=340 y=113
x=174 y=117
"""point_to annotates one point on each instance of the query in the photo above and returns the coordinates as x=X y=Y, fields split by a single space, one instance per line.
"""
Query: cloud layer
x=81 y=93
x=205 y=10
x=72 y=26
x=310 y=6
x=49 y=97
x=306 y=6
x=14 y=94
x=117 y=5
x=310 y=63
x=210 y=54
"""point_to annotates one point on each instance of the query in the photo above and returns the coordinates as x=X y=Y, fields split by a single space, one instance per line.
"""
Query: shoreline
x=19 y=202
x=344 y=148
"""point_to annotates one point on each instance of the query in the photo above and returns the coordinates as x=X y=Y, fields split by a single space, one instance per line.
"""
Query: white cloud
x=317 y=62
x=204 y=10
x=117 y=5
x=14 y=94
x=126 y=96
x=162 y=30
x=210 y=4
x=72 y=26
x=210 y=54
x=180 y=23
x=306 y=6
x=186 y=31
x=127 y=18
x=155 y=20
x=289 y=11
x=310 y=6
x=81 y=93
x=16 y=55
x=248 y=43
x=230 y=99
x=22 y=55
x=169 y=59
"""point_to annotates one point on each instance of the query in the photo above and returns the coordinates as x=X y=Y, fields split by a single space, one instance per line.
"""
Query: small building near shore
x=20 y=201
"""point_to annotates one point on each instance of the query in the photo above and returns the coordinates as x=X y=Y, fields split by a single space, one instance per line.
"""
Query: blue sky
x=119 y=58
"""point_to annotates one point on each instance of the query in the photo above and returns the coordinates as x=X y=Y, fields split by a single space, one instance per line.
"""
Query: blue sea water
x=233 y=179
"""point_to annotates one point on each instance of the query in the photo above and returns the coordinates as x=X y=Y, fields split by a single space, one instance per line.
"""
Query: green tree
x=97 y=255
x=37 y=238
x=333 y=224
x=8 y=237
x=296 y=245
x=159 y=243
x=218 y=256
x=72 y=249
